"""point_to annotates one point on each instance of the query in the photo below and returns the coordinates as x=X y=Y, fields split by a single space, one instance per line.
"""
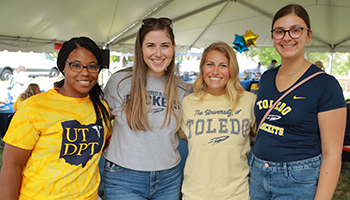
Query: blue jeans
x=123 y=183
x=284 y=181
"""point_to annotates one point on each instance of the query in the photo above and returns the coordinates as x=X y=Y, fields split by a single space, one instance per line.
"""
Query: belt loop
x=251 y=160
x=285 y=169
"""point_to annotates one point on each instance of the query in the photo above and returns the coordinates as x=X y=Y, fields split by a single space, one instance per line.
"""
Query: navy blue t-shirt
x=291 y=132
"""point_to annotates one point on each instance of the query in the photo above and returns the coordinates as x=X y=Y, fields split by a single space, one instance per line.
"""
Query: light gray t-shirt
x=152 y=150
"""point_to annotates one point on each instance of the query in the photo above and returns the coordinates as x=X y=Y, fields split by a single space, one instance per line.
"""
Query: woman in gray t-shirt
x=142 y=160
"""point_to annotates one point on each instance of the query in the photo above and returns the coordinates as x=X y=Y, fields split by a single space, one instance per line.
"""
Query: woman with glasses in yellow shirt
x=54 y=142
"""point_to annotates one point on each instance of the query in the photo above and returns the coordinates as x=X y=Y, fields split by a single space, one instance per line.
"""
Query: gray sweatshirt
x=152 y=150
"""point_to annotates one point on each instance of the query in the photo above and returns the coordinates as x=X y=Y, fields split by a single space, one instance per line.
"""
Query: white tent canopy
x=36 y=25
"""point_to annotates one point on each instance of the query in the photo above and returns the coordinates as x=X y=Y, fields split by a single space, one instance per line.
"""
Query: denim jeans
x=123 y=183
x=284 y=181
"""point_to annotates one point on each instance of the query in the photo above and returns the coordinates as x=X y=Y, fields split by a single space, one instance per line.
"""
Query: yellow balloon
x=250 y=38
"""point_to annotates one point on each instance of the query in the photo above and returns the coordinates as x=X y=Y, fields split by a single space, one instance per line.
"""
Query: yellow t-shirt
x=218 y=144
x=66 y=143
x=17 y=103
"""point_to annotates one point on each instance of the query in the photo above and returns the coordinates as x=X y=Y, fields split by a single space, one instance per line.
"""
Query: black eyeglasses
x=76 y=67
x=152 y=21
x=295 y=32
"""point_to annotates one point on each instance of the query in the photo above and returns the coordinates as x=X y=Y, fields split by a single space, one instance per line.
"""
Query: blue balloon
x=240 y=48
x=240 y=44
x=239 y=40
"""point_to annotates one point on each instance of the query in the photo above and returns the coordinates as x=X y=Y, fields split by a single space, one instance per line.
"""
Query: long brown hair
x=136 y=109
x=30 y=91
x=233 y=88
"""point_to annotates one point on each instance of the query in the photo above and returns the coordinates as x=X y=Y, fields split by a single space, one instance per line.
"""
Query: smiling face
x=216 y=72
x=78 y=84
x=288 y=47
x=158 y=51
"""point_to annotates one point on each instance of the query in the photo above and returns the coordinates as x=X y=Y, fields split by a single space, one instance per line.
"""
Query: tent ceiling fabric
x=37 y=24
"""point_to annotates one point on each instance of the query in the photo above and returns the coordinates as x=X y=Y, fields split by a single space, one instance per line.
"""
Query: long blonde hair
x=136 y=108
x=30 y=91
x=233 y=88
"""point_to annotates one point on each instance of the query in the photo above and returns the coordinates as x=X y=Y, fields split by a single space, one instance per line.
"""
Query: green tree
x=325 y=58
x=264 y=55
x=315 y=56
x=55 y=54
x=114 y=58
x=341 y=64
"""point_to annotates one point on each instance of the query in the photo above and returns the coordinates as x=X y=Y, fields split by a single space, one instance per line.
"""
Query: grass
x=342 y=191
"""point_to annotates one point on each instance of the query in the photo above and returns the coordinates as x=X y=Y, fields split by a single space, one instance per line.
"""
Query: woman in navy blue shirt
x=297 y=154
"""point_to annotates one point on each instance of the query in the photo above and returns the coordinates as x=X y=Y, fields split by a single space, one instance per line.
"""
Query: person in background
x=297 y=153
x=142 y=160
x=247 y=74
x=272 y=65
x=21 y=75
x=54 y=143
x=217 y=121
x=319 y=64
x=31 y=90
x=20 y=81
x=258 y=71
